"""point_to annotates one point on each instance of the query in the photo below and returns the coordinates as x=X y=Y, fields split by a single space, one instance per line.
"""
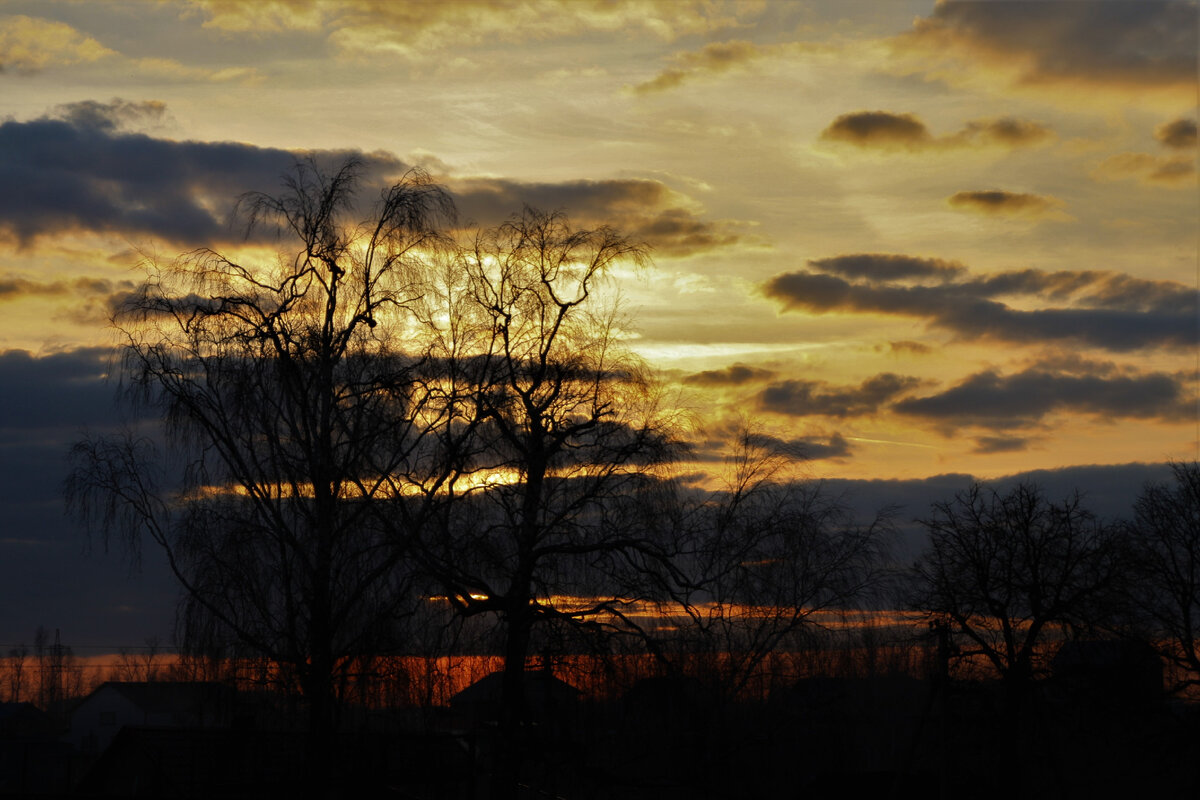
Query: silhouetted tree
x=289 y=404
x=569 y=433
x=1006 y=570
x=1164 y=549
x=765 y=563
x=16 y=672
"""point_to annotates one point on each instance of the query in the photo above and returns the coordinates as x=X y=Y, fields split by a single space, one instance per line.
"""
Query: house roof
x=168 y=696
x=539 y=685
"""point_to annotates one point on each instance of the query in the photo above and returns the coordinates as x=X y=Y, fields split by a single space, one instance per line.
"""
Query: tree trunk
x=509 y=752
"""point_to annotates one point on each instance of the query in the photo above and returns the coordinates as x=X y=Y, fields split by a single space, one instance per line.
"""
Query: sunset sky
x=915 y=239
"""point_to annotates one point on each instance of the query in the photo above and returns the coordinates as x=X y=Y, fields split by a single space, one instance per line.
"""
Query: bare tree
x=1165 y=559
x=16 y=672
x=569 y=434
x=772 y=562
x=288 y=403
x=1007 y=570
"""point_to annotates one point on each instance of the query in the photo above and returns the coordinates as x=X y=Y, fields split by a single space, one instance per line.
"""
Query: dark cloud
x=62 y=580
x=1179 y=134
x=1108 y=491
x=1091 y=288
x=991 y=400
x=77 y=169
x=1007 y=131
x=805 y=448
x=720 y=440
x=878 y=129
x=1108 y=310
x=14 y=288
x=996 y=202
x=714 y=58
x=886 y=130
x=888 y=267
x=906 y=348
x=1127 y=46
x=806 y=398
x=58 y=392
x=1000 y=444
x=733 y=375
x=815 y=448
x=116 y=115
x=643 y=209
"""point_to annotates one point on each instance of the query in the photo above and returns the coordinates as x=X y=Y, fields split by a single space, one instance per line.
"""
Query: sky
x=916 y=241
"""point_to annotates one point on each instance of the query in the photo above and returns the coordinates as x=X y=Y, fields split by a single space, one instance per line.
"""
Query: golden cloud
x=29 y=44
x=1174 y=172
x=712 y=59
x=360 y=28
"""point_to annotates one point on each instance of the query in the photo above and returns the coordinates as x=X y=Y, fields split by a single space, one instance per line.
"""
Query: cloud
x=1175 y=172
x=991 y=400
x=16 y=287
x=816 y=398
x=371 y=29
x=888 y=267
x=720 y=440
x=79 y=169
x=115 y=115
x=999 y=203
x=1000 y=444
x=1101 y=309
x=1128 y=50
x=1179 y=134
x=712 y=59
x=888 y=131
x=733 y=375
x=1006 y=131
x=644 y=209
x=814 y=448
x=906 y=348
x=48 y=402
x=805 y=448
x=29 y=45
x=1109 y=492
x=879 y=129
x=59 y=393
